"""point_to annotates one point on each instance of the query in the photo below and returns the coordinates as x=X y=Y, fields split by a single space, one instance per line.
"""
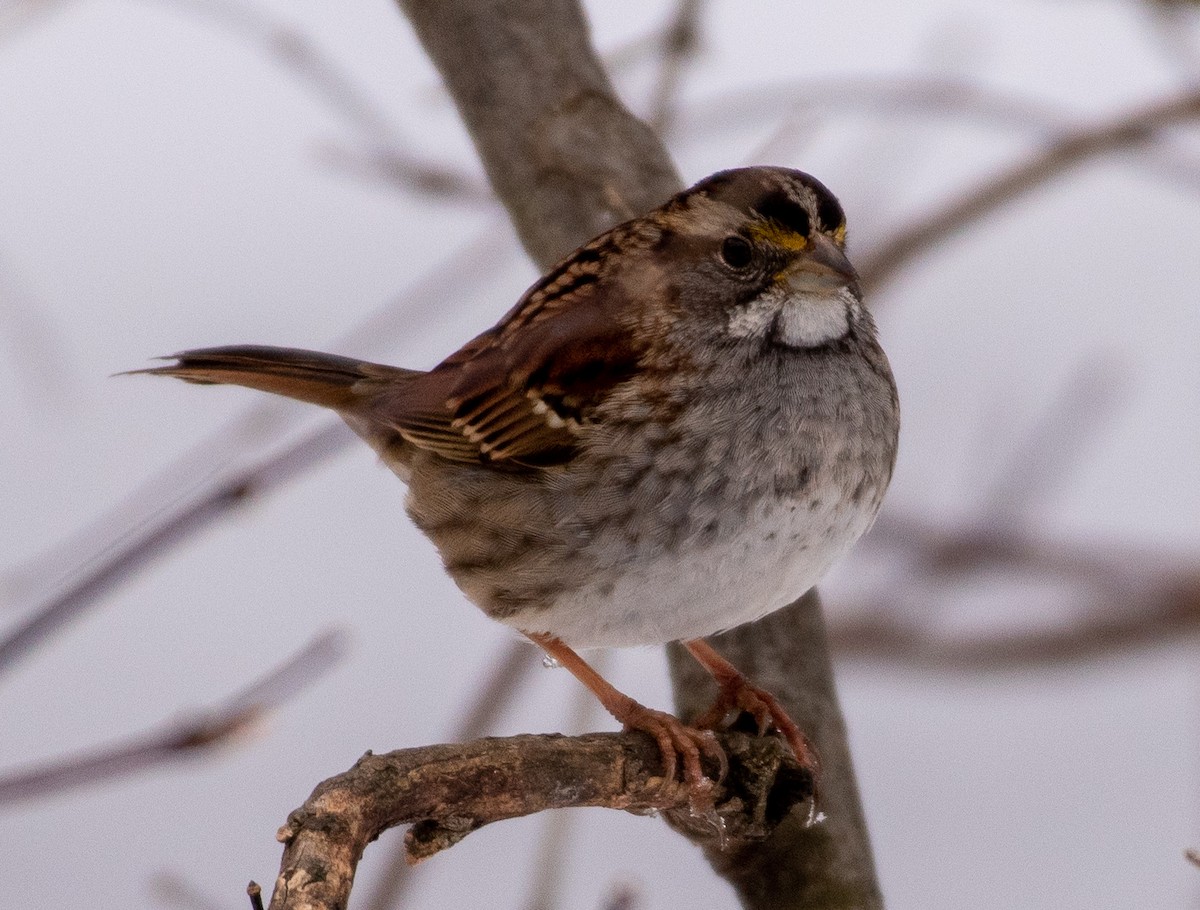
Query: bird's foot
x=680 y=744
x=739 y=694
x=676 y=740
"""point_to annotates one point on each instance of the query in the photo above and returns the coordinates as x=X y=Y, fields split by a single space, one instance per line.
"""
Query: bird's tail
x=325 y=379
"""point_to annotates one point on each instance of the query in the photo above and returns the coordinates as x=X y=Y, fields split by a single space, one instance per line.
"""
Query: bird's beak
x=821 y=266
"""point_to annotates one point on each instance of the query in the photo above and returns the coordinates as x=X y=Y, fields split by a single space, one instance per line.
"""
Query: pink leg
x=738 y=692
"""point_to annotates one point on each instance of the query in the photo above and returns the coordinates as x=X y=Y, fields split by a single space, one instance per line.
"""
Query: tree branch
x=563 y=154
x=448 y=791
x=184 y=737
x=923 y=233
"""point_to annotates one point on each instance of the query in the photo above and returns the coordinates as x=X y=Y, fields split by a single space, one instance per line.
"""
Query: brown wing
x=521 y=392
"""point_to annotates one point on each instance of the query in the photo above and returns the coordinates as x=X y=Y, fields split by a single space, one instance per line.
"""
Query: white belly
x=697 y=590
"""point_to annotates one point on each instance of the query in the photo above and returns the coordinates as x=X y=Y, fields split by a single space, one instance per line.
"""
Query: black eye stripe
x=778 y=206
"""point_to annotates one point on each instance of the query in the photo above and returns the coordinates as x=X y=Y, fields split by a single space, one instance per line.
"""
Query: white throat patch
x=796 y=320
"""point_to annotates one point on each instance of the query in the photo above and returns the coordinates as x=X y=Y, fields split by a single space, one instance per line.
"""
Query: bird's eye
x=736 y=251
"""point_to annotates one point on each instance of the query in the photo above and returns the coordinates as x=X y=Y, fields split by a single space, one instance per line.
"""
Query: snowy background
x=169 y=180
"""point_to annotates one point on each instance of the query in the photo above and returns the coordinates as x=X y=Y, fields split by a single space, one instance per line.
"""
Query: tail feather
x=325 y=379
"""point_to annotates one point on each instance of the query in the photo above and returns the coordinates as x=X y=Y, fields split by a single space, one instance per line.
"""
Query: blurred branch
x=448 y=791
x=922 y=234
x=165 y=536
x=1135 y=600
x=1172 y=25
x=173 y=890
x=1055 y=443
x=397 y=170
x=890 y=96
x=906 y=96
x=622 y=898
x=181 y=738
x=1192 y=856
x=680 y=43
x=883 y=638
x=291 y=48
x=18 y=15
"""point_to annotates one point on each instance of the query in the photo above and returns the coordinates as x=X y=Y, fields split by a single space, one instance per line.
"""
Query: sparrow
x=678 y=429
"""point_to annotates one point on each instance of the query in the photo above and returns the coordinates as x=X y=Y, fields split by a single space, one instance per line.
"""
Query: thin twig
x=680 y=42
x=161 y=538
x=918 y=236
x=181 y=738
x=1133 y=599
x=907 y=96
x=1056 y=441
x=172 y=890
x=290 y=47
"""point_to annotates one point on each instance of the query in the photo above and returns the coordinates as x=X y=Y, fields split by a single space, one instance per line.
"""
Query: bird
x=678 y=429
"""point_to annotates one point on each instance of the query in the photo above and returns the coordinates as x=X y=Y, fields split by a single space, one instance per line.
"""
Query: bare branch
x=883 y=638
x=680 y=42
x=303 y=59
x=172 y=890
x=1131 y=129
x=163 y=537
x=563 y=154
x=1056 y=441
x=448 y=791
x=181 y=738
x=905 y=96
x=1131 y=599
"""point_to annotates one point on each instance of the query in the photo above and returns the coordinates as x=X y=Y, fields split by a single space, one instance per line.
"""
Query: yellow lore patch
x=776 y=234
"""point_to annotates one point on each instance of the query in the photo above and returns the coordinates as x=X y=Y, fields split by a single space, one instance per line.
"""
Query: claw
x=679 y=742
x=738 y=693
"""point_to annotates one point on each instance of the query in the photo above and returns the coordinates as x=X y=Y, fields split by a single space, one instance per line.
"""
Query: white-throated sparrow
x=675 y=431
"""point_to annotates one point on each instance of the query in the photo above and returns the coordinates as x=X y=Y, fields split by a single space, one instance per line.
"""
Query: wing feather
x=522 y=392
